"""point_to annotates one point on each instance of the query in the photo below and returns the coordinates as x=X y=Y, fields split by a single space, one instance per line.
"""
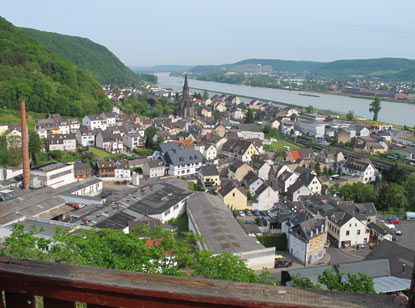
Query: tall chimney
x=25 y=147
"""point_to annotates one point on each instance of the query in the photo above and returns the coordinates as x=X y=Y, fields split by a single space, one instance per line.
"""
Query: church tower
x=186 y=108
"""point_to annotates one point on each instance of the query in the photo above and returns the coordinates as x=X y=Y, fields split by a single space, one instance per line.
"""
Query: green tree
x=395 y=174
x=386 y=197
x=218 y=116
x=149 y=135
x=14 y=156
x=294 y=117
x=360 y=283
x=304 y=283
x=35 y=143
x=409 y=186
x=375 y=107
x=318 y=168
x=309 y=109
x=249 y=118
x=266 y=129
x=205 y=94
x=350 y=115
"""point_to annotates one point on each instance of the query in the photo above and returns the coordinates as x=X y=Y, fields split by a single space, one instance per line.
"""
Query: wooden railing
x=62 y=286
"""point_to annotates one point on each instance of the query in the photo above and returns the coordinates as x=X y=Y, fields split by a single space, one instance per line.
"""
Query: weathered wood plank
x=125 y=289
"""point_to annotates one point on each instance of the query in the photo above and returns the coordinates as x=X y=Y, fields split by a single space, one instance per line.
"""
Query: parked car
x=361 y=246
x=249 y=213
x=398 y=232
x=283 y=262
x=394 y=220
x=241 y=213
x=256 y=212
x=277 y=257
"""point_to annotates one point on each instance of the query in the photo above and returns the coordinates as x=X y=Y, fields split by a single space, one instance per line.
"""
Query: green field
x=280 y=146
x=100 y=154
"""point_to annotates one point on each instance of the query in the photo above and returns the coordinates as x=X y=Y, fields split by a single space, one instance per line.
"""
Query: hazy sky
x=225 y=31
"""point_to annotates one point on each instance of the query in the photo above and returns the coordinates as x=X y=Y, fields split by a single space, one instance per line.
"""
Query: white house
x=14 y=139
x=122 y=169
x=94 y=122
x=64 y=127
x=62 y=142
x=154 y=168
x=111 y=143
x=346 y=230
x=131 y=140
x=210 y=152
x=85 y=137
x=266 y=197
x=311 y=128
x=359 y=168
x=110 y=118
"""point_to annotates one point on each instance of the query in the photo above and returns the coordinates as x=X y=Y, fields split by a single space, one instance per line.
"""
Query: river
x=396 y=113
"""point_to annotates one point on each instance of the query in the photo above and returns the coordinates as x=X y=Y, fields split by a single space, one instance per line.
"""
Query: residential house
x=359 y=168
x=285 y=180
x=210 y=152
x=105 y=169
x=343 y=136
x=82 y=170
x=154 y=169
x=238 y=170
x=111 y=143
x=379 y=232
x=122 y=169
x=265 y=197
x=61 y=142
x=252 y=182
x=261 y=168
x=297 y=190
x=93 y=122
x=110 y=118
x=74 y=125
x=240 y=149
x=14 y=138
x=331 y=158
x=311 y=128
x=179 y=161
x=237 y=114
x=209 y=176
x=206 y=113
x=64 y=126
x=233 y=196
x=132 y=140
x=85 y=137
x=307 y=240
x=345 y=230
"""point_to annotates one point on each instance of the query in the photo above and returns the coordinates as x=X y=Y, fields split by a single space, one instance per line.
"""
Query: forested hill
x=87 y=55
x=48 y=83
x=386 y=68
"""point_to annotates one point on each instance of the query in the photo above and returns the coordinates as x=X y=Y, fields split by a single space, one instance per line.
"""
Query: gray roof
x=389 y=284
x=183 y=157
x=155 y=163
x=165 y=147
x=377 y=228
x=215 y=221
x=44 y=227
x=227 y=188
x=397 y=256
x=372 y=268
x=30 y=203
x=236 y=165
x=209 y=170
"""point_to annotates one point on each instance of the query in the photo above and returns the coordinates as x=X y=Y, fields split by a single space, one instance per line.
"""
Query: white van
x=286 y=148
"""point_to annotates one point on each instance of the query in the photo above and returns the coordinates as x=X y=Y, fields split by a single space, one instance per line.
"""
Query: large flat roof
x=215 y=221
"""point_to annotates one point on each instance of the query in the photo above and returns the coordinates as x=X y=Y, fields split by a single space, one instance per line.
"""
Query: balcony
x=63 y=285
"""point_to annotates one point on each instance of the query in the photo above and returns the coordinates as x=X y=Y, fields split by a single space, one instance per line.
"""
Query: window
x=347 y=232
x=358 y=232
x=350 y=225
x=365 y=240
x=355 y=224
x=233 y=194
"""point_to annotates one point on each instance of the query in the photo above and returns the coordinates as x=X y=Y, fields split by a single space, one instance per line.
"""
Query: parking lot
x=408 y=231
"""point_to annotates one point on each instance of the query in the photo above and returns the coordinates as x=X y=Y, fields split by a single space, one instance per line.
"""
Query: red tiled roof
x=296 y=155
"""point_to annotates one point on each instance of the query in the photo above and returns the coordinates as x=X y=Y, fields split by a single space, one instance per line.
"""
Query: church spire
x=186 y=86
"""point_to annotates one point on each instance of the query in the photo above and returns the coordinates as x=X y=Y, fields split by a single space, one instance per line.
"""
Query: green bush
x=276 y=240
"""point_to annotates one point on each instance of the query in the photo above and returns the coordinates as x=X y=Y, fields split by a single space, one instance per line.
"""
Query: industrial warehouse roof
x=389 y=284
x=215 y=221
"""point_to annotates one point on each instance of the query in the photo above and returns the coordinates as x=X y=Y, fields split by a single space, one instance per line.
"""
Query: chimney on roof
x=25 y=147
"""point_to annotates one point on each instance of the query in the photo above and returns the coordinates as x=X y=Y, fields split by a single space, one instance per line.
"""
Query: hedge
x=275 y=240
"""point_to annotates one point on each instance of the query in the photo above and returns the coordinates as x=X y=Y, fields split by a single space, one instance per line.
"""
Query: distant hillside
x=386 y=68
x=87 y=55
x=48 y=83
x=162 y=68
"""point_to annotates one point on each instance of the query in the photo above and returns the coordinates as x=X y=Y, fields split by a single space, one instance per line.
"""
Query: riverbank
x=320 y=111
x=313 y=91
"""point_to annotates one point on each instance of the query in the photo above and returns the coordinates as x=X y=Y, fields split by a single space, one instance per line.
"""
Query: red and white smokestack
x=25 y=147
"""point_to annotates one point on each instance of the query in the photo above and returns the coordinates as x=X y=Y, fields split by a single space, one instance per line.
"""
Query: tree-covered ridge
x=88 y=55
x=394 y=69
x=48 y=83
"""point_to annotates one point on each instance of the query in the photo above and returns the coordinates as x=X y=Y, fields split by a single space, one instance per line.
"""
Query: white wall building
x=53 y=175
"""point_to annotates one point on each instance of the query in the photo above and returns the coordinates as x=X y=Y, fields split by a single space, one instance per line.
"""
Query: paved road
x=339 y=256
